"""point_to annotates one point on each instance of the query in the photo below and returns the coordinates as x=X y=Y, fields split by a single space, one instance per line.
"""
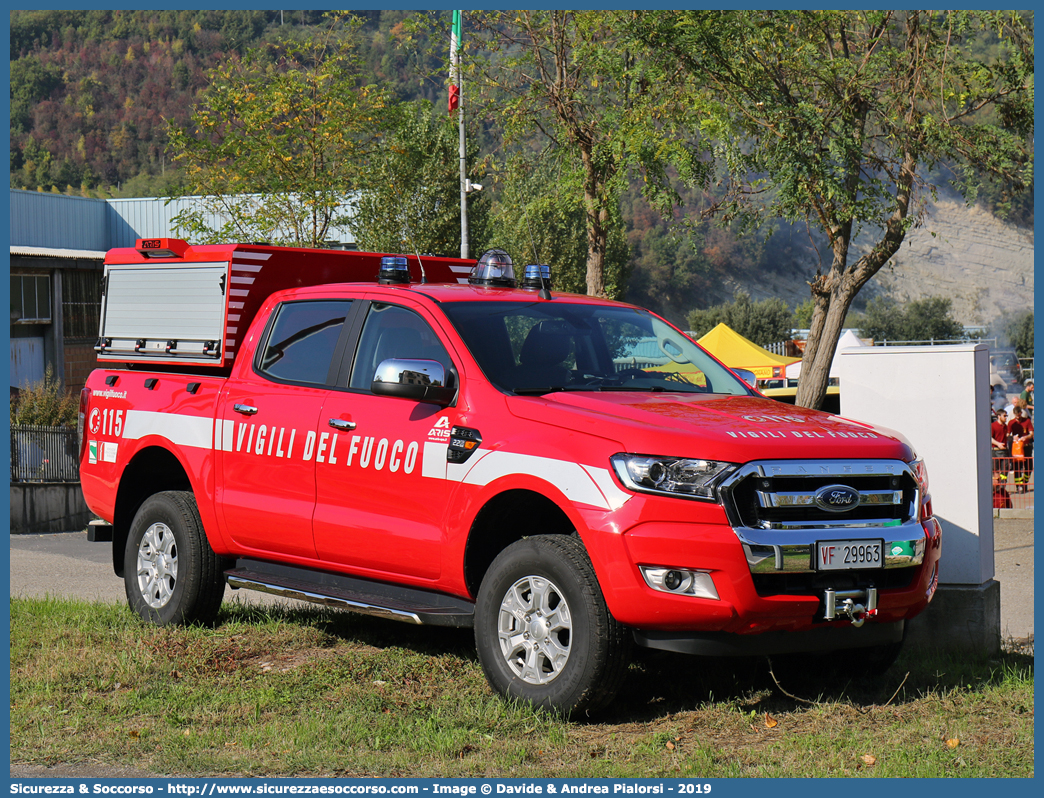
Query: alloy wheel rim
x=534 y=627
x=157 y=565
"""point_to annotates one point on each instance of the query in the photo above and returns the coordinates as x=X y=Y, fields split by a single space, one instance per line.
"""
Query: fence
x=44 y=454
x=1027 y=367
x=1013 y=483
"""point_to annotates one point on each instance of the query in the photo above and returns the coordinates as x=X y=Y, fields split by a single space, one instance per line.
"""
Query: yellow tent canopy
x=735 y=351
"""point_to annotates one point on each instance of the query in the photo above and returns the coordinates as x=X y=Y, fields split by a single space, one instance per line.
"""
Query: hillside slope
x=982 y=263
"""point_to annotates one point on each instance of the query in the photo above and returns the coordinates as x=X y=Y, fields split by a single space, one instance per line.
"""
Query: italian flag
x=456 y=42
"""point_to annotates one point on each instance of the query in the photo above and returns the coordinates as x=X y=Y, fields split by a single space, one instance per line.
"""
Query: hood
x=733 y=428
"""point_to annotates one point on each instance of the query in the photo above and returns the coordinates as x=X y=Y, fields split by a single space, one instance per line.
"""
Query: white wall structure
x=938 y=397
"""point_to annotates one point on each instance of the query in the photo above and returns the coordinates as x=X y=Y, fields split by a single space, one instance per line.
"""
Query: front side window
x=391 y=331
x=540 y=347
x=302 y=341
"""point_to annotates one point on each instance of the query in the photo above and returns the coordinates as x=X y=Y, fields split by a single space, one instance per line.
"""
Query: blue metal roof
x=59 y=221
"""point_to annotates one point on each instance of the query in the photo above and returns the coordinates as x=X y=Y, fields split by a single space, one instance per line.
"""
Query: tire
x=171 y=574
x=543 y=632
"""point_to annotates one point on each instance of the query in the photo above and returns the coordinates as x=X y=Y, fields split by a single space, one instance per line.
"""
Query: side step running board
x=359 y=595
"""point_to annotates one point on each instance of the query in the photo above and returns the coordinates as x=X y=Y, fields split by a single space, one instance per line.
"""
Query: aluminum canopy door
x=167 y=312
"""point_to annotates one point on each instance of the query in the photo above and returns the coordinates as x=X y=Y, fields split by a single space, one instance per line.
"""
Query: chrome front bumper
x=773 y=551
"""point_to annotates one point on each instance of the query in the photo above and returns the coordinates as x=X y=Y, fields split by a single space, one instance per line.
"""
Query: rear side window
x=302 y=341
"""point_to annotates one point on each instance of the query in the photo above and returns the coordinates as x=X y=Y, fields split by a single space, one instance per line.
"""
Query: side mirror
x=747 y=376
x=420 y=380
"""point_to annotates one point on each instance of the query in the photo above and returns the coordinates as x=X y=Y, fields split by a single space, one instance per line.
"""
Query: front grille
x=783 y=495
x=784 y=511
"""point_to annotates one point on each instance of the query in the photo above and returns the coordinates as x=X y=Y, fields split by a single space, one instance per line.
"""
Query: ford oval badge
x=837 y=498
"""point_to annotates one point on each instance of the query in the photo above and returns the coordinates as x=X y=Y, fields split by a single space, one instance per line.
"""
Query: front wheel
x=171 y=574
x=543 y=632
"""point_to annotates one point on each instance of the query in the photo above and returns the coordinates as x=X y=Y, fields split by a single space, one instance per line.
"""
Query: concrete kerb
x=1009 y=512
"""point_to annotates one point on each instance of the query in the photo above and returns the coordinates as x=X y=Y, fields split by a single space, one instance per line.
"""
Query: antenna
x=545 y=288
x=413 y=246
x=532 y=238
x=545 y=282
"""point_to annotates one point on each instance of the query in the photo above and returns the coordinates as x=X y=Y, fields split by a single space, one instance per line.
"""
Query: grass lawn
x=310 y=692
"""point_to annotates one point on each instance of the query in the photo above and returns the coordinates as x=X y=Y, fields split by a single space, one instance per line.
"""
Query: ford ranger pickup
x=436 y=441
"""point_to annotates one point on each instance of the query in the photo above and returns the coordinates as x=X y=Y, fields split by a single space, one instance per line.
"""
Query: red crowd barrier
x=1012 y=482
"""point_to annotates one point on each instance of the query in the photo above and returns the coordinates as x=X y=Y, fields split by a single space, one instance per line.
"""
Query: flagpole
x=458 y=42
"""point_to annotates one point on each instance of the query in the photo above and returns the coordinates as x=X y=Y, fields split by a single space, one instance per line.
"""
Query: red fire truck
x=427 y=440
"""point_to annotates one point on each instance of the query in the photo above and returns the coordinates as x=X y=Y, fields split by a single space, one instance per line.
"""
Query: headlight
x=921 y=473
x=671 y=476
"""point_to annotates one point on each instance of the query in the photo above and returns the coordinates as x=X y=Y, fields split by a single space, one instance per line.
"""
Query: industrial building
x=58 y=244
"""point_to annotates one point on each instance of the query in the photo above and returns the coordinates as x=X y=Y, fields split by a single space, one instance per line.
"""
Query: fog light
x=679 y=581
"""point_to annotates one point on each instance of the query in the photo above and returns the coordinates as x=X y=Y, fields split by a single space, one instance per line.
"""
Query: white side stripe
x=571 y=478
x=196 y=431
x=583 y=484
x=228 y=428
x=433 y=460
x=615 y=497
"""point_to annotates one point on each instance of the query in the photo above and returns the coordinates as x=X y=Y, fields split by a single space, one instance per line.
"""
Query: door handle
x=340 y=423
x=246 y=410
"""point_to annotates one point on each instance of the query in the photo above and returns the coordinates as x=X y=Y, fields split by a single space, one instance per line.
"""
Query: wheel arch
x=506 y=517
x=152 y=470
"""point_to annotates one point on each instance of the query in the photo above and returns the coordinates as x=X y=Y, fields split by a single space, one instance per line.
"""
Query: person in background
x=999 y=435
x=1001 y=459
x=1027 y=398
x=1020 y=435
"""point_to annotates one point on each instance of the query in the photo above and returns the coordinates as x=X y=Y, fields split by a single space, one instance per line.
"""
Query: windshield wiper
x=537 y=391
x=588 y=389
x=640 y=388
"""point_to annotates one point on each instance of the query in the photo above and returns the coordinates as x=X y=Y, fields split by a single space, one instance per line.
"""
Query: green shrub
x=45 y=404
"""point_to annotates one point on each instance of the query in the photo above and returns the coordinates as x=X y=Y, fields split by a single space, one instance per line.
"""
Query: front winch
x=858 y=605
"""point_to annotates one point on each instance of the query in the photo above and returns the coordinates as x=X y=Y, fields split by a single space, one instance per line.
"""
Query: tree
x=410 y=198
x=803 y=314
x=539 y=217
x=835 y=118
x=31 y=82
x=766 y=322
x=279 y=139
x=1015 y=330
x=567 y=77
x=922 y=320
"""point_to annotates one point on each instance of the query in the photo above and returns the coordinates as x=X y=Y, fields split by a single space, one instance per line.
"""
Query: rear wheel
x=543 y=632
x=171 y=574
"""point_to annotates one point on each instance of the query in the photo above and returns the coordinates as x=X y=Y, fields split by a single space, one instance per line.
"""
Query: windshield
x=540 y=347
